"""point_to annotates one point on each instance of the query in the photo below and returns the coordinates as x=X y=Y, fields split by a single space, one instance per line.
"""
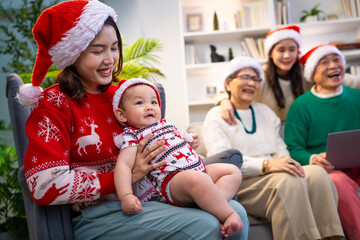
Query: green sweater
x=310 y=119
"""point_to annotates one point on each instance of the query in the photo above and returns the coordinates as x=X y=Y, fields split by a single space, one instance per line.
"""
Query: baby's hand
x=195 y=142
x=130 y=204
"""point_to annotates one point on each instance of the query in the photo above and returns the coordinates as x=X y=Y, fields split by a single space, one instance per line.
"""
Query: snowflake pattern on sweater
x=71 y=154
x=178 y=155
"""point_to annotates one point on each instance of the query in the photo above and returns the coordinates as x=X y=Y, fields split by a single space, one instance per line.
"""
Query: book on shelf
x=191 y=54
x=353 y=8
x=347 y=45
x=240 y=18
x=251 y=14
x=257 y=13
x=246 y=16
x=278 y=12
x=344 y=11
x=354 y=69
x=245 y=49
x=260 y=44
x=285 y=12
x=347 y=6
x=282 y=12
x=253 y=47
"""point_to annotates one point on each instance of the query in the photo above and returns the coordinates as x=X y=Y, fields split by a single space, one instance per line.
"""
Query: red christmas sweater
x=71 y=154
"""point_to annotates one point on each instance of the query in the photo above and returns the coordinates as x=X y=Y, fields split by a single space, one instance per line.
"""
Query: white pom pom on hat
x=62 y=33
x=275 y=36
x=240 y=63
x=29 y=94
x=311 y=59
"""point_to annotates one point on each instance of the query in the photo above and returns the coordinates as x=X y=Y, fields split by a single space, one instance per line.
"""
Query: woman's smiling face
x=284 y=55
x=96 y=64
x=243 y=92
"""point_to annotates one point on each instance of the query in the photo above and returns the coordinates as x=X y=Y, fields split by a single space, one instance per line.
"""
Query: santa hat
x=275 y=36
x=313 y=56
x=62 y=33
x=240 y=63
x=125 y=84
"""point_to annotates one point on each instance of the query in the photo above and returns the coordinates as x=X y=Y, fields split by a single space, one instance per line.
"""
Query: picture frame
x=194 y=22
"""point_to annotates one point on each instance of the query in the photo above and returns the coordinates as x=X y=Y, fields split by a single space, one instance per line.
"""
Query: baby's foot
x=232 y=225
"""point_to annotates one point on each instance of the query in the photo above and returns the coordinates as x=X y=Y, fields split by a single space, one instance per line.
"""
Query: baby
x=184 y=180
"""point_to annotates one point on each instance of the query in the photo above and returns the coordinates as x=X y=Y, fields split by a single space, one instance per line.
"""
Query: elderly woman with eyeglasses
x=301 y=202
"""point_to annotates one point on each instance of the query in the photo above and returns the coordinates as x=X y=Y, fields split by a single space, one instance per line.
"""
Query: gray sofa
x=54 y=222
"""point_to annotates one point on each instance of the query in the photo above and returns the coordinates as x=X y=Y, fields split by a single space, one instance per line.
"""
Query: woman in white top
x=301 y=202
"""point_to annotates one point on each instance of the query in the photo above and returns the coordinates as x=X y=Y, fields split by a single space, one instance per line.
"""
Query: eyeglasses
x=247 y=78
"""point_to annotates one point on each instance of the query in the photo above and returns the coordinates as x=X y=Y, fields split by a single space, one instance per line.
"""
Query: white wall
x=159 y=19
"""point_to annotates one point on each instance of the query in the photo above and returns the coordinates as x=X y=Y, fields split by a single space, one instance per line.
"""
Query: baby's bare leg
x=227 y=177
x=192 y=186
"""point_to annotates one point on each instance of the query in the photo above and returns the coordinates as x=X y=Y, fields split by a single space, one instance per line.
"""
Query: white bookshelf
x=204 y=73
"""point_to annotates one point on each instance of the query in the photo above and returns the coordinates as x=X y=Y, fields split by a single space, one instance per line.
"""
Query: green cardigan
x=310 y=119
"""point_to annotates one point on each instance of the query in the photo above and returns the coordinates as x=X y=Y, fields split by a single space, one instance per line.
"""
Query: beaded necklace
x=253 y=130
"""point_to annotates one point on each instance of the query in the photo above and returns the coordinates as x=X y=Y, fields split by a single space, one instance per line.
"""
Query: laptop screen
x=343 y=149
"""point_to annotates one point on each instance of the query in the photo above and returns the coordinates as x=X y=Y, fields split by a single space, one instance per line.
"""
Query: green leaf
x=139 y=58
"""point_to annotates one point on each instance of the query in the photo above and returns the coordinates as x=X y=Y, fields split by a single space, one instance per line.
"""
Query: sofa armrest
x=232 y=156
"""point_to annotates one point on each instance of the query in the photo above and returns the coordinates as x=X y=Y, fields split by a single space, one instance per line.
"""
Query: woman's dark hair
x=69 y=79
x=273 y=80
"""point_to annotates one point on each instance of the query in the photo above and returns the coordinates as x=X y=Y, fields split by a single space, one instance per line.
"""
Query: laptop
x=343 y=149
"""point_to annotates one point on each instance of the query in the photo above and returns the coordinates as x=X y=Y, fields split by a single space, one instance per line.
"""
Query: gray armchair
x=44 y=222
x=54 y=222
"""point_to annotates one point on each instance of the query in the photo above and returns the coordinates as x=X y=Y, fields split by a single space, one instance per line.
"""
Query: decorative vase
x=216 y=22
x=311 y=19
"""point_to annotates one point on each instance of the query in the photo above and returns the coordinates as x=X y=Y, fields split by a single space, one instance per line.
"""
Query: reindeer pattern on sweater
x=178 y=155
x=71 y=154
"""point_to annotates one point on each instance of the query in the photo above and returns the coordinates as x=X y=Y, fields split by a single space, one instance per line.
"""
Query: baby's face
x=141 y=106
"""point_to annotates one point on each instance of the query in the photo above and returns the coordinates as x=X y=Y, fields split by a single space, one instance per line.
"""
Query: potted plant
x=312 y=15
x=13 y=223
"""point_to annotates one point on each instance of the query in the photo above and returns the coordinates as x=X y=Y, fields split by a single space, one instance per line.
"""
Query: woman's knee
x=288 y=182
x=316 y=175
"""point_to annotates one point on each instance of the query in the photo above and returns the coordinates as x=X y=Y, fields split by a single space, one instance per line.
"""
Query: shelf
x=224 y=36
x=198 y=68
x=201 y=103
x=351 y=54
x=314 y=28
x=205 y=65
x=330 y=26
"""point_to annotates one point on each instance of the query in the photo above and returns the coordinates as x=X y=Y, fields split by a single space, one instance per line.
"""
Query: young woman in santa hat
x=71 y=154
x=283 y=80
x=328 y=107
x=300 y=202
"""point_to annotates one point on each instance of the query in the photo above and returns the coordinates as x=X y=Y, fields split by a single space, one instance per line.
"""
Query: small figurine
x=214 y=56
x=231 y=56
x=216 y=22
